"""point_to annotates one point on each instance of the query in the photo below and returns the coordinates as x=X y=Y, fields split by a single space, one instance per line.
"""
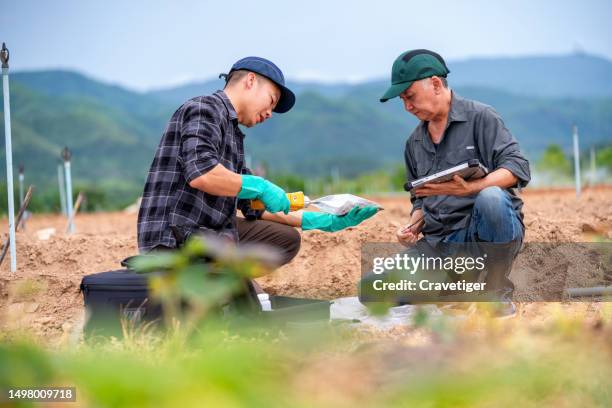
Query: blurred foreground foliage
x=204 y=360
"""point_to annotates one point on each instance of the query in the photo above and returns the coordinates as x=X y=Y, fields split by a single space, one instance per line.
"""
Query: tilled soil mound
x=43 y=296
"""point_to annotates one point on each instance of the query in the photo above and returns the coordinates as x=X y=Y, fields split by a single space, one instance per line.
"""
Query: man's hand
x=408 y=234
x=333 y=223
x=407 y=237
x=456 y=187
x=273 y=197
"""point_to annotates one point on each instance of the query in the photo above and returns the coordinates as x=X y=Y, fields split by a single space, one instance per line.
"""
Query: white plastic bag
x=340 y=204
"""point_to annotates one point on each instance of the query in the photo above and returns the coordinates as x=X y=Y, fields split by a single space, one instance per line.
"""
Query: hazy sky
x=152 y=44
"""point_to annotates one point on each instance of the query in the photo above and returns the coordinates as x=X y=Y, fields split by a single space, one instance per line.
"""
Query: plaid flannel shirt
x=202 y=133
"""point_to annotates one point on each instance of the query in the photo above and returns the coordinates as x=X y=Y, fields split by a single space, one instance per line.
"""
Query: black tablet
x=471 y=169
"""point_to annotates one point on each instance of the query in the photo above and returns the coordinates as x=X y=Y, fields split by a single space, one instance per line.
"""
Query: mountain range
x=113 y=131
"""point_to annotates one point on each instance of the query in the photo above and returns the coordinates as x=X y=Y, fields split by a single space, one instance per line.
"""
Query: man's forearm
x=459 y=187
x=501 y=178
x=219 y=181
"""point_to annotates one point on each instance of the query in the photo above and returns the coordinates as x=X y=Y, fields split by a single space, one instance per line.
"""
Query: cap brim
x=395 y=90
x=286 y=100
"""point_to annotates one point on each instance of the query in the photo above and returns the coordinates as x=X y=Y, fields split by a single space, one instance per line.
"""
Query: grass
x=565 y=359
x=565 y=362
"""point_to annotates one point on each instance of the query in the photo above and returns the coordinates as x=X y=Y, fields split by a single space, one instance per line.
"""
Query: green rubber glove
x=272 y=196
x=333 y=223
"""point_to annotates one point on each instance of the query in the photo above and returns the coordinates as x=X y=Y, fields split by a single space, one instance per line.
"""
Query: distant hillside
x=108 y=129
x=179 y=94
x=73 y=85
x=114 y=131
x=566 y=76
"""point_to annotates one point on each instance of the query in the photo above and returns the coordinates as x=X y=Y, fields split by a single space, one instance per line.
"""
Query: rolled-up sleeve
x=411 y=175
x=501 y=148
x=245 y=205
x=200 y=140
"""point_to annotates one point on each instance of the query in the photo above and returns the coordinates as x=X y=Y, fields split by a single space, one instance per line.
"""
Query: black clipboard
x=471 y=169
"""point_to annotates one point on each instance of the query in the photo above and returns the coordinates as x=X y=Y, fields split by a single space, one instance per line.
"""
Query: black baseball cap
x=269 y=70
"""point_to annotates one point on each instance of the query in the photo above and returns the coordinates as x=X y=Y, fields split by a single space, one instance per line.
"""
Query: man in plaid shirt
x=198 y=178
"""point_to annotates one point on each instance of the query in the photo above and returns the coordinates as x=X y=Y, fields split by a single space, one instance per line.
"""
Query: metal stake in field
x=21 y=177
x=22 y=224
x=66 y=156
x=20 y=213
x=75 y=210
x=4 y=57
x=62 y=187
x=576 y=161
x=593 y=167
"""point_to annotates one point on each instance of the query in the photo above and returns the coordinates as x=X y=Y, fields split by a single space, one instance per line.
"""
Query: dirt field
x=43 y=296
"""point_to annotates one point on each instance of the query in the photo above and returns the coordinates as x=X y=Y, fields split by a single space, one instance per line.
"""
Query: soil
x=43 y=296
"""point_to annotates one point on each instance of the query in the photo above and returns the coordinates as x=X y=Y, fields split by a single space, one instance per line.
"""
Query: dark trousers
x=283 y=238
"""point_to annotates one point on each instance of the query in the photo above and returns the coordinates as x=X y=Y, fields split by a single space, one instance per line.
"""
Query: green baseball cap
x=412 y=66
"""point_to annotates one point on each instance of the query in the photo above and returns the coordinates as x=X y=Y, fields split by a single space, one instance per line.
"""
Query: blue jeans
x=493 y=220
x=494 y=229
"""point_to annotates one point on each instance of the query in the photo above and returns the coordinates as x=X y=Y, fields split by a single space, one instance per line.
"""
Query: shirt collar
x=457 y=109
x=455 y=114
x=231 y=112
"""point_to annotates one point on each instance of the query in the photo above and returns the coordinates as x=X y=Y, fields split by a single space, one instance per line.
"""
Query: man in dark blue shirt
x=198 y=177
